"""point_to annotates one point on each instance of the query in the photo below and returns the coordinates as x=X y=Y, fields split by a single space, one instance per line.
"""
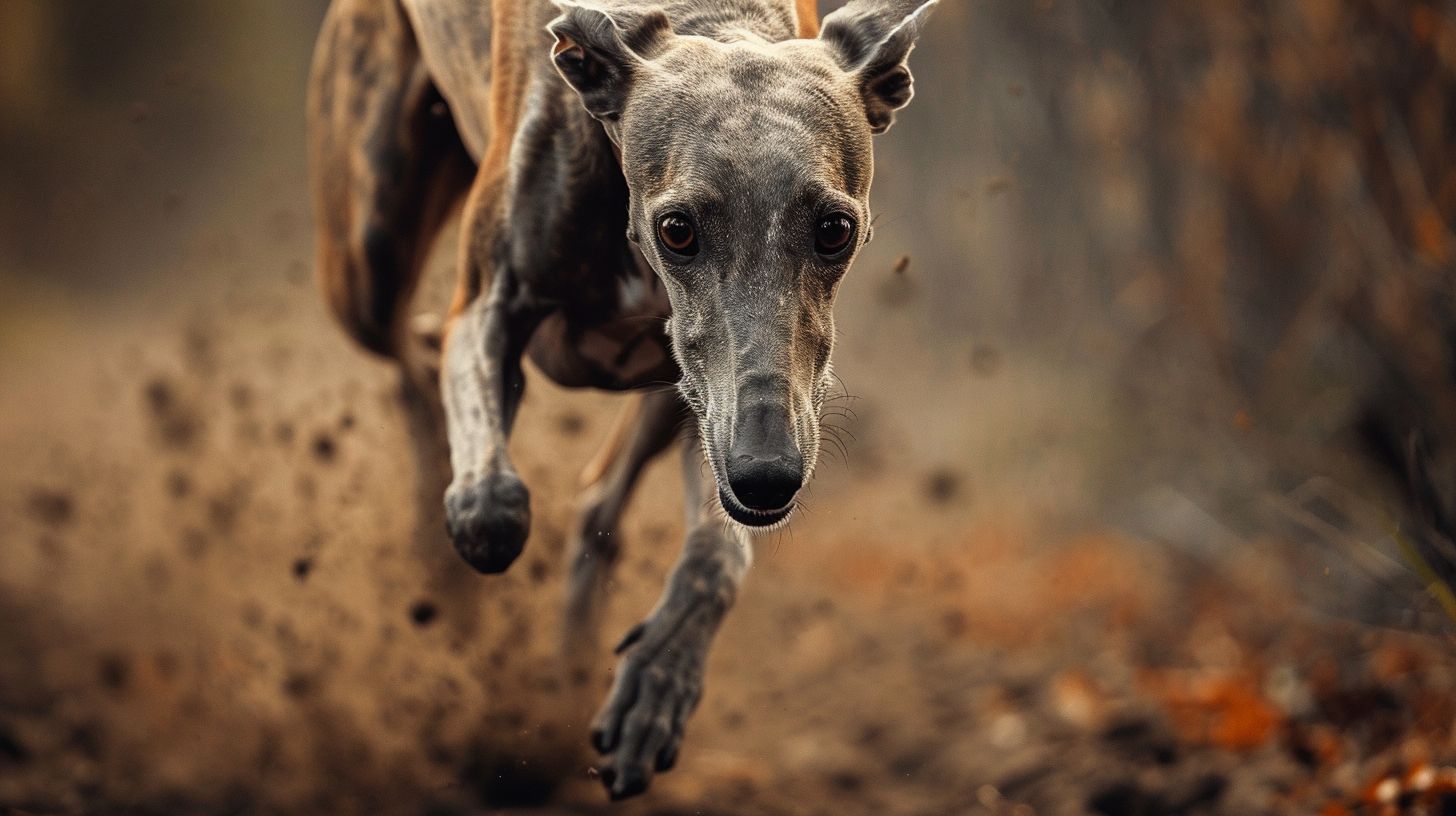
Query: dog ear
x=597 y=52
x=872 y=39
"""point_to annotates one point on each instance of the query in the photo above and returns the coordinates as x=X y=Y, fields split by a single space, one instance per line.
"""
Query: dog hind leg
x=593 y=550
x=387 y=167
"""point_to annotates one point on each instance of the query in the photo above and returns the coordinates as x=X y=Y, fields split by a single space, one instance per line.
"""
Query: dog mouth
x=750 y=517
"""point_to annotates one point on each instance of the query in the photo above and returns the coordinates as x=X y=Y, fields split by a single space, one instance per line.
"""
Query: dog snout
x=765 y=468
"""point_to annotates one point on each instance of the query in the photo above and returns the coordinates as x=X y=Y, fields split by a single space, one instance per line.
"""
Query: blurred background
x=1145 y=505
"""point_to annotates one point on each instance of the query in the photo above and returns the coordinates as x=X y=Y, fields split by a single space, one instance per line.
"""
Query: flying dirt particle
x=285 y=634
x=223 y=511
x=178 y=427
x=954 y=623
x=283 y=433
x=847 y=781
x=51 y=507
x=571 y=423
x=423 y=613
x=114 y=672
x=347 y=421
x=252 y=614
x=985 y=360
x=941 y=486
x=194 y=543
x=85 y=739
x=240 y=396
x=324 y=448
x=159 y=396
x=539 y=571
x=11 y=750
x=902 y=265
x=179 y=484
x=302 y=567
x=872 y=734
x=298 y=685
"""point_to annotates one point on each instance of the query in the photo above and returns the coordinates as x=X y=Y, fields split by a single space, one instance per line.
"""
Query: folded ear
x=597 y=52
x=872 y=39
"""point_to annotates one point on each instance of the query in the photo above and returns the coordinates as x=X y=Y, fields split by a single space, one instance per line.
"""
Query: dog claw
x=633 y=635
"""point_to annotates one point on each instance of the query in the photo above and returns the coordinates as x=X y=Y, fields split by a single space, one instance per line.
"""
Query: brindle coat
x=702 y=165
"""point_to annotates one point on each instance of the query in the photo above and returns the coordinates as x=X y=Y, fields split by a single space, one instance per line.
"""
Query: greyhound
x=655 y=191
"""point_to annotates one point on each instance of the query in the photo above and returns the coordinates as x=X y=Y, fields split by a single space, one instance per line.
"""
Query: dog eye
x=832 y=234
x=676 y=233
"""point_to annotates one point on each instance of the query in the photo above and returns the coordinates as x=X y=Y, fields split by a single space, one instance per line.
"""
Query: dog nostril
x=764 y=484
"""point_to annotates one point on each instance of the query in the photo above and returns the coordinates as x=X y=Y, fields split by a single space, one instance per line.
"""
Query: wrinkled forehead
x=726 y=114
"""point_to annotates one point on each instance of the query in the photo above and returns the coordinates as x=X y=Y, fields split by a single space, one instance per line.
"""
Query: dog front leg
x=660 y=676
x=487 y=506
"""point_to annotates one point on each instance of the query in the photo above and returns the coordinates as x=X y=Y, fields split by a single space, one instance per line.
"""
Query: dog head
x=749 y=165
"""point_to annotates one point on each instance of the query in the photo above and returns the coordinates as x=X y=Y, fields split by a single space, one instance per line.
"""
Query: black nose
x=765 y=484
x=765 y=469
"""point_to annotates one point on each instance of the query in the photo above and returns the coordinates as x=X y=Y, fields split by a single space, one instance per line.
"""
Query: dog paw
x=488 y=520
x=659 y=682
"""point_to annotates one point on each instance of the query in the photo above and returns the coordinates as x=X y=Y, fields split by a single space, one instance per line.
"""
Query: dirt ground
x=218 y=593
x=216 y=600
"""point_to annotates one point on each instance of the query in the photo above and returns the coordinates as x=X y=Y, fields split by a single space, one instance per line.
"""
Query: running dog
x=655 y=191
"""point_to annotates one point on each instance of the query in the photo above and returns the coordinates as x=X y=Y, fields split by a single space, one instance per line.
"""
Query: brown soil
x=215 y=600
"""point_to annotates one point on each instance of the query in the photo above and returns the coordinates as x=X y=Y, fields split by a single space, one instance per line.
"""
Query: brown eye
x=677 y=234
x=832 y=234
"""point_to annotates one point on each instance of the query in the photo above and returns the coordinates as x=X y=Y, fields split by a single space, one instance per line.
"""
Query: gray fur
x=754 y=136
